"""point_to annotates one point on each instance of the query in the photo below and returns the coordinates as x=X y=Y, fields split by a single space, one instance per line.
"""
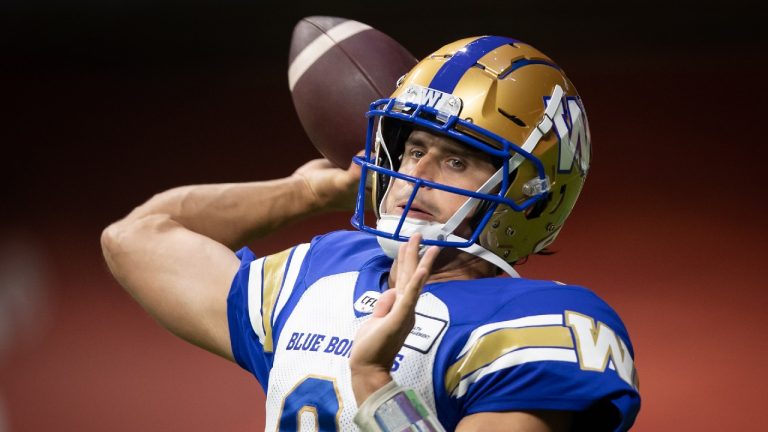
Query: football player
x=474 y=163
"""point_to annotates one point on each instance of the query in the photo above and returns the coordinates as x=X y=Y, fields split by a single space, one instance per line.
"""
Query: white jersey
x=495 y=344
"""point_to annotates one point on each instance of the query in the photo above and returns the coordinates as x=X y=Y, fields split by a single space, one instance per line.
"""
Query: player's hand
x=333 y=188
x=379 y=339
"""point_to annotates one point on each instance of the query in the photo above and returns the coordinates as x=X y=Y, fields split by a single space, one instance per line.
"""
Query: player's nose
x=425 y=168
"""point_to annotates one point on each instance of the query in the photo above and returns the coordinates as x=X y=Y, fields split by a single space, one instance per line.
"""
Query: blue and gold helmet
x=508 y=100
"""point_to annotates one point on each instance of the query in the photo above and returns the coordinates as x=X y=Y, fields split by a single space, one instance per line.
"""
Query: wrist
x=366 y=381
x=314 y=198
x=327 y=190
x=393 y=408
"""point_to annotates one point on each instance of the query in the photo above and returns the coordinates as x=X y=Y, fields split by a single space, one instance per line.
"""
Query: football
x=337 y=67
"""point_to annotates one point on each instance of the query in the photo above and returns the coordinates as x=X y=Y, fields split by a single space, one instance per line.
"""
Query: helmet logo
x=445 y=104
x=573 y=135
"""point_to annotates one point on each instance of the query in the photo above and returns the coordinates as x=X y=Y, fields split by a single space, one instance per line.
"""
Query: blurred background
x=107 y=102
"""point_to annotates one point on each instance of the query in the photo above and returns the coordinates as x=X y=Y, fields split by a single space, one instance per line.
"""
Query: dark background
x=108 y=102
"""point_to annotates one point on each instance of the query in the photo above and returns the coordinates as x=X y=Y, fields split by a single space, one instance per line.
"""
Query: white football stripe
x=515 y=358
x=319 y=46
x=290 y=278
x=254 y=298
x=529 y=321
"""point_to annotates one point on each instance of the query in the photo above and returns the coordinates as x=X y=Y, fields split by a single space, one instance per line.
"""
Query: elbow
x=110 y=239
x=113 y=240
x=127 y=237
x=119 y=235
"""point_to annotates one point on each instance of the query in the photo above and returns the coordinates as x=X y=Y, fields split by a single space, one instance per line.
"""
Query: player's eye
x=456 y=163
x=416 y=153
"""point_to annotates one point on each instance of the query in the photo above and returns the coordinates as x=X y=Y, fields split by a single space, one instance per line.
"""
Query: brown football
x=337 y=67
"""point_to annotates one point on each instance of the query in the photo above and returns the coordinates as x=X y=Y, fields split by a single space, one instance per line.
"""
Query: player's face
x=441 y=160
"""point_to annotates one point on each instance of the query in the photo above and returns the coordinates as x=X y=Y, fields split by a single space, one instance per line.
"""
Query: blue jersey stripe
x=449 y=75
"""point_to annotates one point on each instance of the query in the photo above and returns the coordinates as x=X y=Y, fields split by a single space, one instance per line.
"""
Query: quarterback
x=416 y=320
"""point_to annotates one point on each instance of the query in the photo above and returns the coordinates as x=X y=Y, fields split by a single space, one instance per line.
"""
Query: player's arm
x=517 y=421
x=173 y=254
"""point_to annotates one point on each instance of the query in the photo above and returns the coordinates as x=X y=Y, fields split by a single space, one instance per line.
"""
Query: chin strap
x=489 y=256
x=432 y=231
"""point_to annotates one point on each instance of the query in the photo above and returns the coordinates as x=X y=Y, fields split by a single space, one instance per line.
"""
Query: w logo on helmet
x=573 y=135
x=430 y=97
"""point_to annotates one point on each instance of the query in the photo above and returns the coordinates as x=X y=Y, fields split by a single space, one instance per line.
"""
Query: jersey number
x=316 y=395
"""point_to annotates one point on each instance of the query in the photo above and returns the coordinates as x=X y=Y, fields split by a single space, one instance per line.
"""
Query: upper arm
x=180 y=277
x=555 y=349
x=516 y=421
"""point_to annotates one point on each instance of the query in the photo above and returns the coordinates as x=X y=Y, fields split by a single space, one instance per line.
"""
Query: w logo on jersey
x=573 y=135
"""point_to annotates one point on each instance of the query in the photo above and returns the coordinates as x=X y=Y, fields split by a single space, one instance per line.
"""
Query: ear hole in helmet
x=538 y=207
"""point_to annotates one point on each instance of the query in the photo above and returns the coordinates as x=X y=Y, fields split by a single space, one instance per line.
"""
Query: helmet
x=504 y=98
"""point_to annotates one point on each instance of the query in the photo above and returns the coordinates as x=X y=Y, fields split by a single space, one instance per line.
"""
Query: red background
x=106 y=103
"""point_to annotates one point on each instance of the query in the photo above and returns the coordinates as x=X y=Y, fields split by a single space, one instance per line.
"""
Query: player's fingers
x=400 y=266
x=419 y=277
x=410 y=259
x=429 y=257
x=354 y=170
x=404 y=265
x=384 y=303
x=404 y=307
x=413 y=285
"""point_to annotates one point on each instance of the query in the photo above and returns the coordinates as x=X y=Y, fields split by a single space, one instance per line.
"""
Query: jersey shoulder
x=474 y=302
x=342 y=252
x=519 y=344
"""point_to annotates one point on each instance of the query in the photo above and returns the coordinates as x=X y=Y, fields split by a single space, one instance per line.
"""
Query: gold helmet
x=507 y=99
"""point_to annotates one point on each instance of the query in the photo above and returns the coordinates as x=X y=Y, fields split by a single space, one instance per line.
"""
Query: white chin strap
x=444 y=232
x=432 y=231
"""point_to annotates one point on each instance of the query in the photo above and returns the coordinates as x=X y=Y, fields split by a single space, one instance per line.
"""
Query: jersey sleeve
x=259 y=291
x=569 y=352
x=265 y=290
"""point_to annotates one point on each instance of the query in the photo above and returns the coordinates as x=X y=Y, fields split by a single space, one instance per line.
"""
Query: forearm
x=366 y=381
x=234 y=213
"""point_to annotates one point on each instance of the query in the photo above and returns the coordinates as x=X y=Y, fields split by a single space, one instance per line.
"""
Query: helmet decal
x=572 y=133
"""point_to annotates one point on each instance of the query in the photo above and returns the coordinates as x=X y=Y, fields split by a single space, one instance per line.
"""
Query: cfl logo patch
x=572 y=135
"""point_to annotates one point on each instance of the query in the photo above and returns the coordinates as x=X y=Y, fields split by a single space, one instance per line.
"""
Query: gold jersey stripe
x=274 y=269
x=493 y=345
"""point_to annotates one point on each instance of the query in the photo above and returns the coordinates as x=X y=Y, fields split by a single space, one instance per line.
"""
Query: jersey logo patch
x=424 y=333
x=365 y=303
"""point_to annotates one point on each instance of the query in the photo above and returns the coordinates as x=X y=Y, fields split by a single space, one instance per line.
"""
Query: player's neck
x=453 y=264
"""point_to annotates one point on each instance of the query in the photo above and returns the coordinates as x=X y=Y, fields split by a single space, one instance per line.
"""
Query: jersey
x=496 y=344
